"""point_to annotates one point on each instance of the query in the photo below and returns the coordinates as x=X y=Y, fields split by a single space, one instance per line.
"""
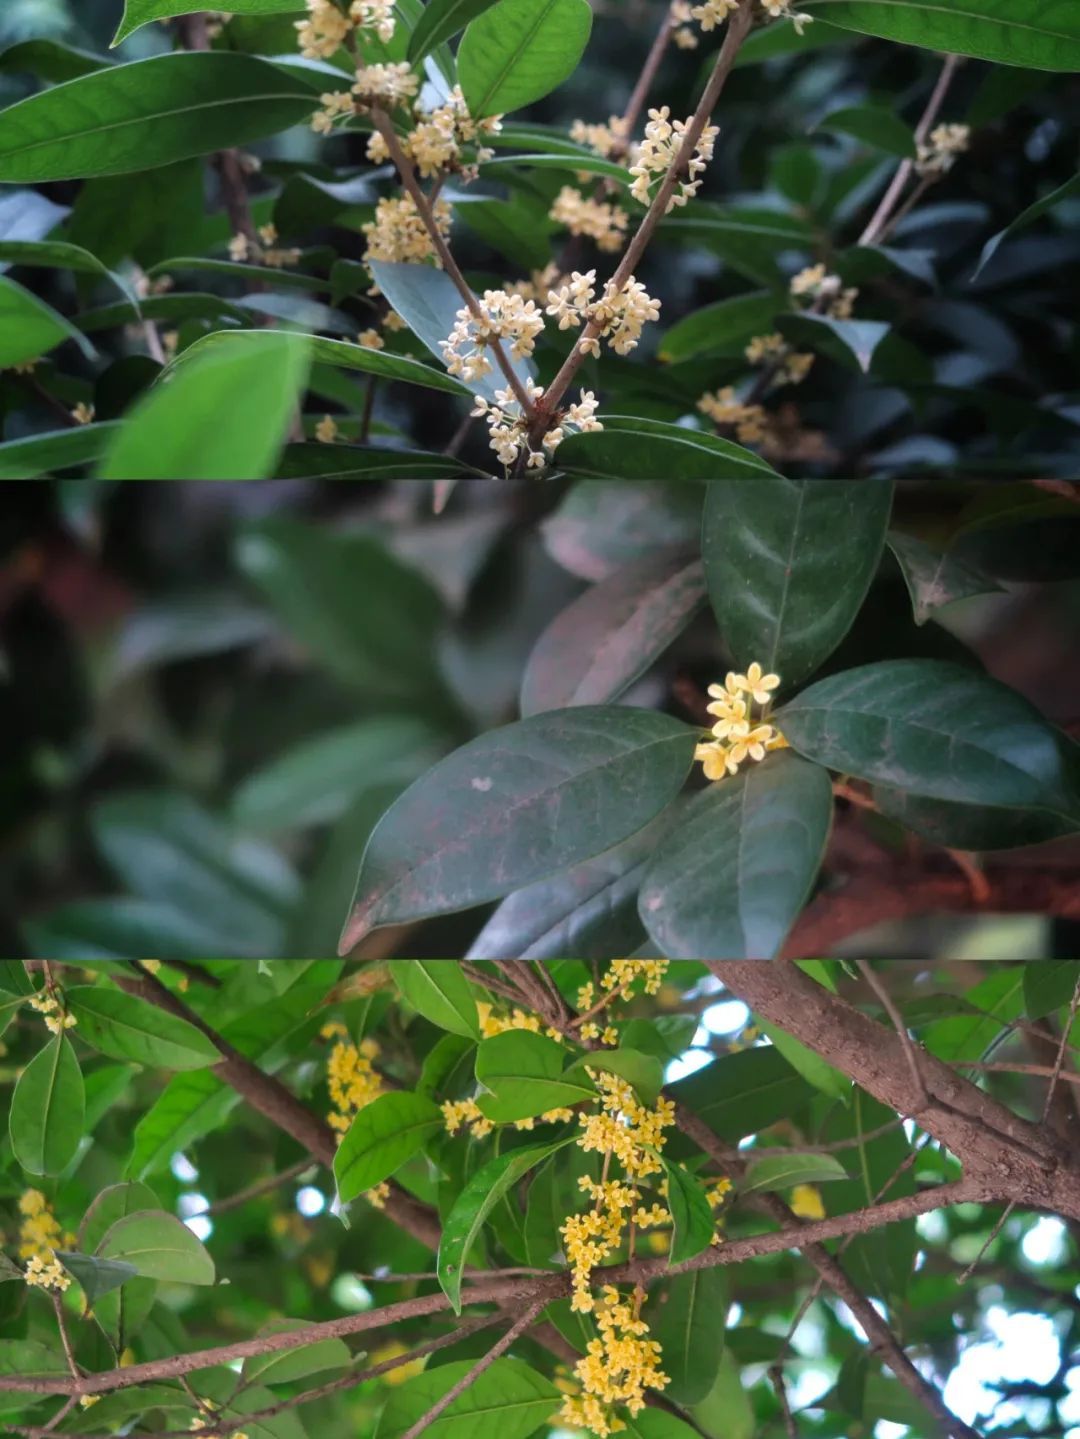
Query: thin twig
x=738 y=27
x=1060 y=1057
x=776 y=1374
x=467 y=1380
x=883 y=216
x=897 y=1021
x=382 y=122
x=260 y=1187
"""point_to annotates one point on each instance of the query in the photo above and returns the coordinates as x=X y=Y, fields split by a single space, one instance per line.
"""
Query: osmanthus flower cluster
x=353 y=1083
x=40 y=1235
x=739 y=735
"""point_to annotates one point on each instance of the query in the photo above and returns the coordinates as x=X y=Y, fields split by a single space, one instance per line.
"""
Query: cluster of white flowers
x=398 y=232
x=327 y=26
x=435 y=141
x=781 y=10
x=712 y=13
x=263 y=251
x=946 y=142
x=607 y=140
x=683 y=33
x=509 y=427
x=659 y=149
x=505 y=317
x=825 y=292
x=599 y=221
x=788 y=366
x=619 y=315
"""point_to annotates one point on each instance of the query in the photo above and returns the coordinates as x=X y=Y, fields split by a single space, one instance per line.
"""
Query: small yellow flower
x=806 y=1202
x=401 y=1372
x=326 y=432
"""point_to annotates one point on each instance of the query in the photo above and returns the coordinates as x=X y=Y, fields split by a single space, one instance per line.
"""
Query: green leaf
x=1038 y=35
x=609 y=636
x=935 y=580
x=589 y=911
x=126 y=1027
x=14 y=978
x=579 y=164
x=686 y=1315
x=972 y=826
x=936 y=729
x=235 y=891
x=519 y=51
x=428 y=300
x=694 y=1225
x=146 y=114
x=382 y=1136
x=50 y=60
x=372 y=462
x=875 y=125
x=1025 y=218
x=288 y=1365
x=1049 y=986
x=58 y=255
x=160 y=1246
x=788 y=564
x=140 y=12
x=438 y=990
x=631 y=448
x=601 y=525
x=97 y=1276
x=339 y=353
x=46 y=1117
x=808 y=1062
x=28 y=1357
x=441 y=20
x=473 y=1205
x=729 y=881
x=785 y=1171
x=9 y=1272
x=838 y=339
x=29 y=328
x=507 y=1401
x=319 y=581
x=482 y=822
x=122 y=928
x=113 y=1203
x=55 y=449
x=741 y=1094
x=723 y=328
x=317 y=780
x=643 y=1072
x=523 y=1073
x=657 y=1424
x=222 y=416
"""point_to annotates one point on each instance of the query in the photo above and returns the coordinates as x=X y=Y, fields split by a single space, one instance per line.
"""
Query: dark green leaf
x=1026 y=217
x=785 y=1171
x=629 y=448
x=441 y=20
x=438 y=990
x=819 y=1072
x=58 y=255
x=483 y=821
x=972 y=826
x=601 y=643
x=382 y=1136
x=50 y=60
x=876 y=126
x=473 y=1205
x=1049 y=986
x=113 y=1203
x=97 y=1276
x=141 y=12
x=320 y=581
x=723 y=328
x=1040 y=35
x=788 y=564
x=729 y=881
x=935 y=580
x=741 y=1094
x=935 y=729
x=149 y=113
x=126 y=1027
x=589 y=911
x=508 y=1401
x=694 y=1225
x=838 y=339
x=46 y=1117
x=686 y=1315
x=519 y=51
